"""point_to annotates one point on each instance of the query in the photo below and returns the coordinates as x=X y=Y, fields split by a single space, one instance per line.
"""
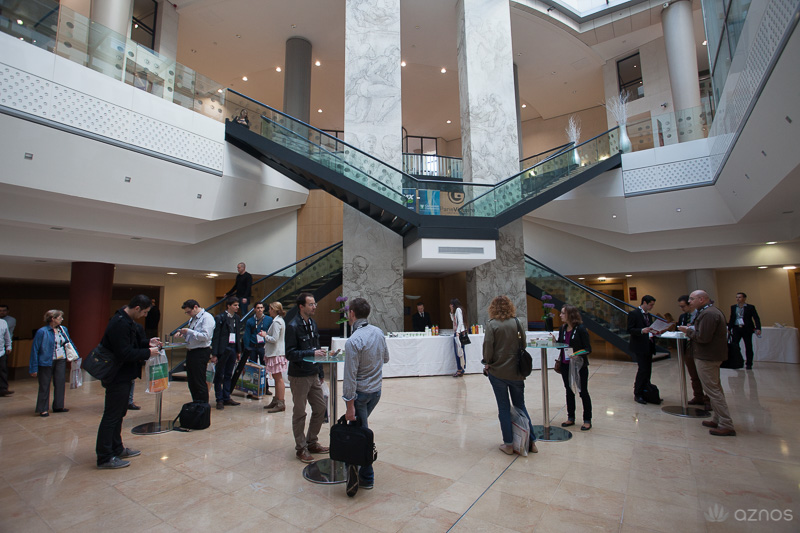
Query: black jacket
x=127 y=340
x=640 y=343
x=418 y=323
x=300 y=344
x=684 y=319
x=579 y=341
x=750 y=316
x=223 y=327
x=241 y=287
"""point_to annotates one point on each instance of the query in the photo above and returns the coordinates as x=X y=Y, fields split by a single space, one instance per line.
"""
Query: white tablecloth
x=434 y=356
x=776 y=345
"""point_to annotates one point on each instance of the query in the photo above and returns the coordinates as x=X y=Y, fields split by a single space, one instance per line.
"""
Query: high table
x=683 y=409
x=545 y=432
x=328 y=471
x=776 y=345
x=154 y=428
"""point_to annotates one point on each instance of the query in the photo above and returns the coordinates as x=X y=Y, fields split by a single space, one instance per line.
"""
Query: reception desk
x=434 y=356
x=776 y=345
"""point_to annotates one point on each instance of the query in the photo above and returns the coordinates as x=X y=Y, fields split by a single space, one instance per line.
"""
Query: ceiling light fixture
x=581 y=278
x=677 y=209
x=789 y=267
x=762 y=267
x=628 y=275
x=402 y=63
x=244 y=78
x=278 y=69
x=19 y=21
x=705 y=43
x=319 y=110
x=524 y=106
x=211 y=275
x=135 y=26
x=444 y=70
x=172 y=273
x=219 y=90
x=449 y=121
x=317 y=63
x=613 y=216
x=772 y=242
x=238 y=36
x=601 y=278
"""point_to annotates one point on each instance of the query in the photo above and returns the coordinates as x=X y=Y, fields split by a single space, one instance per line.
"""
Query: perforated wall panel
x=686 y=173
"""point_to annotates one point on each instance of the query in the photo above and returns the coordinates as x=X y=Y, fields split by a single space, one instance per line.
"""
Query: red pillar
x=89 y=303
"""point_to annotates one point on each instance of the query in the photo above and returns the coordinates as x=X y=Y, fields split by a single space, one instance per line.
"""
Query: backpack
x=650 y=394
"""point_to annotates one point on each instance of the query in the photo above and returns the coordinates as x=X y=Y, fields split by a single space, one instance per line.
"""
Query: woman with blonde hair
x=501 y=346
x=574 y=333
x=275 y=356
x=49 y=362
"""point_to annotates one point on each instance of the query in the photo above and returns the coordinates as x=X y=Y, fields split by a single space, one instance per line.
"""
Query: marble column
x=490 y=141
x=519 y=112
x=373 y=254
x=90 y=289
x=115 y=15
x=297 y=79
x=682 y=65
x=703 y=279
x=167 y=29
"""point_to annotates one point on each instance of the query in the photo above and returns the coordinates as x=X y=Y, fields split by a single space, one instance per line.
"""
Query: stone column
x=115 y=15
x=89 y=301
x=490 y=141
x=297 y=79
x=703 y=279
x=373 y=254
x=519 y=112
x=682 y=63
x=167 y=29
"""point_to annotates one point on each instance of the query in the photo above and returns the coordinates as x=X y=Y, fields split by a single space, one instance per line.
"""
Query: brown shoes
x=710 y=424
x=304 y=456
x=722 y=432
x=318 y=448
x=277 y=406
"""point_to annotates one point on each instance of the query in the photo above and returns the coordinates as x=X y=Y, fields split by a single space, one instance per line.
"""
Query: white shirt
x=201 y=331
x=5 y=339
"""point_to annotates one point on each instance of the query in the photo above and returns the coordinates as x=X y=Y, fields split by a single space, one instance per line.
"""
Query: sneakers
x=507 y=449
x=304 y=456
x=352 y=480
x=278 y=407
x=230 y=402
x=128 y=452
x=318 y=448
x=114 y=463
x=220 y=406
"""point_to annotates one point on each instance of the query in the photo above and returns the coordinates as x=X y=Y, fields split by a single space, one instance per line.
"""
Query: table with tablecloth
x=776 y=345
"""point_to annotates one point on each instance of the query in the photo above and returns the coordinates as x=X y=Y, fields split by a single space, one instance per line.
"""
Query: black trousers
x=739 y=333
x=583 y=374
x=196 y=362
x=645 y=362
x=4 y=372
x=58 y=375
x=109 y=434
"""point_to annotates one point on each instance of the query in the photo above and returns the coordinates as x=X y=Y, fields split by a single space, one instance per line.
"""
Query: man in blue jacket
x=127 y=340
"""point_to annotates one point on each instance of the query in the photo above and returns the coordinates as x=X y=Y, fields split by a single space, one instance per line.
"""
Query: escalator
x=410 y=207
x=320 y=274
x=602 y=314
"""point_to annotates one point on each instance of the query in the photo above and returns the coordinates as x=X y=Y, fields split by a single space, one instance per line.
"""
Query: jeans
x=109 y=433
x=461 y=357
x=583 y=374
x=516 y=389
x=364 y=404
x=226 y=363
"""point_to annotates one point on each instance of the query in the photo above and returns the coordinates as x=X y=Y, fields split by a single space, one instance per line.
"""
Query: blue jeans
x=226 y=363
x=461 y=356
x=516 y=389
x=364 y=404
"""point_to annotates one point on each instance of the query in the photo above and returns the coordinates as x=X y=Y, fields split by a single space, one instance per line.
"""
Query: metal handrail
x=561 y=148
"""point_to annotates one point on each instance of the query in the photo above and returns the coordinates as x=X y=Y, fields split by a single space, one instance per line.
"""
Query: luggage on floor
x=253 y=379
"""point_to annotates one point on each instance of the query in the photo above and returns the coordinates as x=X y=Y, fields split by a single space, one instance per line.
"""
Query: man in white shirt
x=11 y=322
x=5 y=353
x=198 y=334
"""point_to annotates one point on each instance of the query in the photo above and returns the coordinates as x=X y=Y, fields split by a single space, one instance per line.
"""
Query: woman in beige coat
x=501 y=344
x=274 y=356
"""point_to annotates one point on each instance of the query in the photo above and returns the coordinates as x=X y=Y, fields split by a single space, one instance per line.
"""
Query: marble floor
x=439 y=469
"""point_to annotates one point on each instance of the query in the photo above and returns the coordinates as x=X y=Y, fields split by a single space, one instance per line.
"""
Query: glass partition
x=433 y=166
x=32 y=21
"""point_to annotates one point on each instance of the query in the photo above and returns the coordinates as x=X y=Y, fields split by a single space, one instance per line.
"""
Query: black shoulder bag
x=524 y=359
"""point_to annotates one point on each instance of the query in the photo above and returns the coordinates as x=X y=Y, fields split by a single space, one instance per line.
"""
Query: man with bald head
x=708 y=344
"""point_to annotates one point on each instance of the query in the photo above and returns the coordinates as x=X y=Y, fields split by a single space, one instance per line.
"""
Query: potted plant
x=618 y=107
x=548 y=311
x=343 y=308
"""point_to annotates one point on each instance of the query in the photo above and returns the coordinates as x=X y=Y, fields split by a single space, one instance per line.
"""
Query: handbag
x=69 y=348
x=464 y=338
x=557 y=366
x=524 y=359
x=735 y=360
x=193 y=415
x=156 y=373
x=101 y=363
x=352 y=443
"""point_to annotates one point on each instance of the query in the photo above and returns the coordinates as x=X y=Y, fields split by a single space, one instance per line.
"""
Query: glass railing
x=532 y=182
x=534 y=160
x=60 y=30
x=394 y=185
x=672 y=128
x=434 y=166
x=602 y=309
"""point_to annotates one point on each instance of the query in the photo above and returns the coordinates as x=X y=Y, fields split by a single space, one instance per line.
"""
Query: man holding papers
x=642 y=328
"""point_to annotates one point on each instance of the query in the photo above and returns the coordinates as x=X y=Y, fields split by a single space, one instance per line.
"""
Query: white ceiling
x=559 y=72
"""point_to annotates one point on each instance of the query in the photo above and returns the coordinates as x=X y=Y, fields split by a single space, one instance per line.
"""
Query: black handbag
x=101 y=363
x=524 y=359
x=735 y=360
x=193 y=415
x=464 y=338
x=352 y=443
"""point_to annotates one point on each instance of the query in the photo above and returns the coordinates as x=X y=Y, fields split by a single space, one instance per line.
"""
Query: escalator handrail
x=333 y=154
x=331 y=249
x=546 y=160
x=560 y=149
x=575 y=283
x=328 y=135
x=173 y=332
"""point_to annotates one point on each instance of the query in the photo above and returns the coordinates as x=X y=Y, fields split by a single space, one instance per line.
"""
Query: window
x=629 y=74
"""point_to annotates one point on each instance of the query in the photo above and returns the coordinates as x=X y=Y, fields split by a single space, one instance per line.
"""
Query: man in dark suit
x=743 y=322
x=226 y=349
x=686 y=319
x=420 y=320
x=642 y=344
x=242 y=287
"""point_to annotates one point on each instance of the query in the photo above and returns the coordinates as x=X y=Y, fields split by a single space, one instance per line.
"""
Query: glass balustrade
x=534 y=160
x=33 y=21
x=433 y=166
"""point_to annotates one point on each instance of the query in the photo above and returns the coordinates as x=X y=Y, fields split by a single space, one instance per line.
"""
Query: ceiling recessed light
x=172 y=273
x=581 y=278
x=238 y=36
x=19 y=21
x=705 y=43
x=194 y=51
x=613 y=216
x=244 y=78
x=317 y=63
x=294 y=26
x=319 y=110
x=402 y=63
x=524 y=106
x=277 y=69
x=677 y=209
x=211 y=275
x=444 y=70
x=601 y=278
x=628 y=275
x=449 y=121
x=789 y=267
x=219 y=90
x=762 y=267
x=772 y=242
